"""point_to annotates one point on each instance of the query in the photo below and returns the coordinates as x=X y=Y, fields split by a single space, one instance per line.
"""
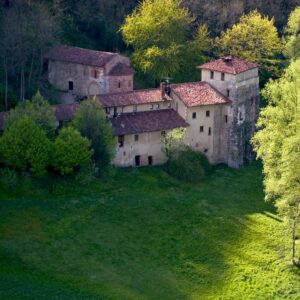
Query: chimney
x=227 y=59
x=163 y=89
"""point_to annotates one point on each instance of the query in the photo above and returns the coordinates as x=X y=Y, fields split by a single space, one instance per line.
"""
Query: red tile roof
x=229 y=65
x=199 y=93
x=148 y=121
x=120 y=70
x=80 y=55
x=132 y=98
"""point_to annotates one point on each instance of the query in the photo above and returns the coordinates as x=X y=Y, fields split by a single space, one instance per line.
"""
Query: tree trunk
x=6 y=88
x=31 y=70
x=22 y=83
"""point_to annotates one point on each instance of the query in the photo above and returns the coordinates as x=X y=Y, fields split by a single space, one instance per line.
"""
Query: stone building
x=219 y=112
x=79 y=73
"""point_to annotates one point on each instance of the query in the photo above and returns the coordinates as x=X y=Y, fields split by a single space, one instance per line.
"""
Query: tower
x=239 y=81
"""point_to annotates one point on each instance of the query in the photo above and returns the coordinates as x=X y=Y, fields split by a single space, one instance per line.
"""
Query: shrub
x=9 y=179
x=90 y=120
x=188 y=165
x=70 y=151
x=38 y=110
x=24 y=146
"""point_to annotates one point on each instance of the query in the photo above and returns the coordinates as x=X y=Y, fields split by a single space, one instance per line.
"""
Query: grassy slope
x=145 y=236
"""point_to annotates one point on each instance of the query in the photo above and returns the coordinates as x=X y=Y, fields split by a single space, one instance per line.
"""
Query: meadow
x=144 y=235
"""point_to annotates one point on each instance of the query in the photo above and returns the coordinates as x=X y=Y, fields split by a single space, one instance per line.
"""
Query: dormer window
x=212 y=74
x=223 y=76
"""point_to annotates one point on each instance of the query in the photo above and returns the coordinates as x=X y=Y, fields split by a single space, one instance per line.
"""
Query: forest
x=29 y=28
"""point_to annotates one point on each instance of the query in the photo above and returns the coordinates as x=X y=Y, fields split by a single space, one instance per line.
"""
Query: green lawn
x=144 y=235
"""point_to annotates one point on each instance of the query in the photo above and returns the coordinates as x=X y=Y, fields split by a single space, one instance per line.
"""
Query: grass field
x=144 y=235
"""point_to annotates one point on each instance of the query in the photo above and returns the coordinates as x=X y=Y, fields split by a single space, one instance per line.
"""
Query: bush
x=24 y=146
x=38 y=110
x=70 y=151
x=90 y=120
x=9 y=179
x=188 y=165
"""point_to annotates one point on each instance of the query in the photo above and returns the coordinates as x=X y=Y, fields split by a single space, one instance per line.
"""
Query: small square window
x=201 y=128
x=71 y=86
x=207 y=113
x=136 y=137
x=223 y=76
x=194 y=115
x=209 y=131
x=212 y=75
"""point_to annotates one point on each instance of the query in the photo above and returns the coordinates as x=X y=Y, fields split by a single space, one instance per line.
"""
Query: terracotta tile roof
x=148 y=121
x=80 y=55
x=132 y=98
x=65 y=112
x=120 y=70
x=198 y=93
x=229 y=65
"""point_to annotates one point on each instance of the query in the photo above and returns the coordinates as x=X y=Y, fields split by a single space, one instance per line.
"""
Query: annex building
x=219 y=112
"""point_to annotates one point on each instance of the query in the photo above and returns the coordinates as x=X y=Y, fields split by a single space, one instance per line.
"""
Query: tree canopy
x=278 y=142
x=254 y=38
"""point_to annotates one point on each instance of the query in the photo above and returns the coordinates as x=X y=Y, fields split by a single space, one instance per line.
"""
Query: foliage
x=278 y=142
x=141 y=235
x=70 y=151
x=188 y=165
x=38 y=110
x=173 y=141
x=157 y=30
x=24 y=146
x=90 y=120
x=254 y=38
x=292 y=46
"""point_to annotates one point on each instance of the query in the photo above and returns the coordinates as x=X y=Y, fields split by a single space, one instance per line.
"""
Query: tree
x=70 y=151
x=38 y=110
x=277 y=143
x=90 y=120
x=173 y=141
x=254 y=38
x=24 y=146
x=292 y=46
x=157 y=31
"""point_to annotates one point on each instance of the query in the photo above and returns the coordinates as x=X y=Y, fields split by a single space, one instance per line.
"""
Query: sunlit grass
x=144 y=235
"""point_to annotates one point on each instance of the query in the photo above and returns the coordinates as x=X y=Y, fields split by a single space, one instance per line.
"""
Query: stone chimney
x=163 y=89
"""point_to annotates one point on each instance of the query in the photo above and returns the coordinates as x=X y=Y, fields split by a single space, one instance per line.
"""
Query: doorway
x=137 y=160
x=150 y=160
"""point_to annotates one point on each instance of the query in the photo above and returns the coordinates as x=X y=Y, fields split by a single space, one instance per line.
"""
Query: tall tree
x=254 y=38
x=292 y=46
x=157 y=31
x=278 y=145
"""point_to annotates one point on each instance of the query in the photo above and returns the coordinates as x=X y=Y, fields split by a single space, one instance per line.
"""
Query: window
x=107 y=110
x=207 y=113
x=201 y=128
x=226 y=119
x=119 y=84
x=209 y=131
x=227 y=93
x=115 y=111
x=157 y=106
x=163 y=133
x=96 y=74
x=223 y=76
x=134 y=108
x=150 y=160
x=194 y=115
x=151 y=106
x=121 y=140
x=205 y=150
x=71 y=85
x=137 y=160
x=136 y=137
x=212 y=75
x=241 y=116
